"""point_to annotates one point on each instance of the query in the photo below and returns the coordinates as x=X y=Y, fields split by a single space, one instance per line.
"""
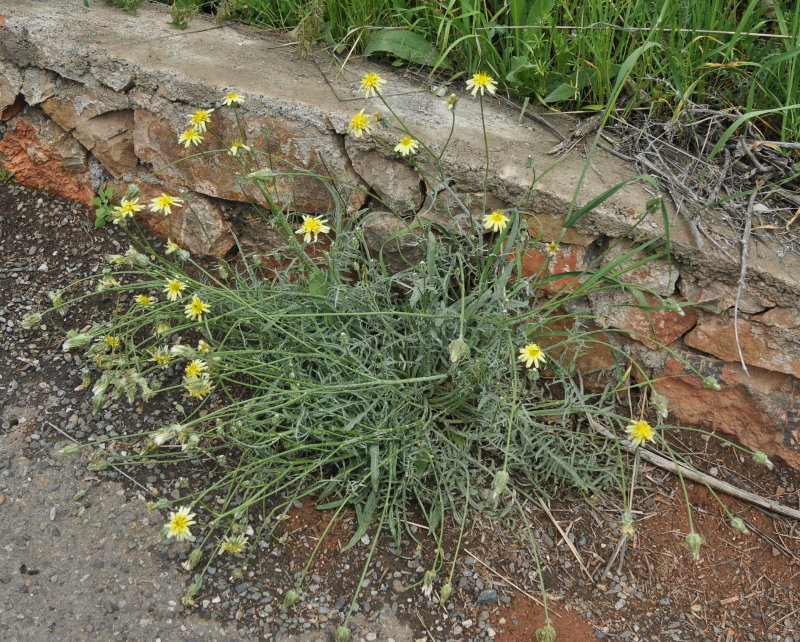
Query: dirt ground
x=79 y=558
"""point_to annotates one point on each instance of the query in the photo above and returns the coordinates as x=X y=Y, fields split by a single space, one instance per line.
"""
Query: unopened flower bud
x=71 y=449
x=31 y=320
x=290 y=598
x=458 y=349
x=659 y=403
x=627 y=529
x=711 y=384
x=546 y=634
x=694 y=542
x=737 y=523
x=342 y=634
x=445 y=592
x=500 y=483
x=761 y=458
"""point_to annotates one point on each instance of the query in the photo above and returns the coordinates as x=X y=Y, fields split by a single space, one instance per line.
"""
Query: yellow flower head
x=162 y=327
x=199 y=119
x=112 y=341
x=164 y=203
x=360 y=124
x=236 y=146
x=195 y=369
x=371 y=84
x=174 y=288
x=531 y=355
x=161 y=356
x=196 y=308
x=126 y=209
x=232 y=98
x=203 y=346
x=144 y=300
x=179 y=523
x=233 y=544
x=171 y=247
x=495 y=221
x=190 y=137
x=639 y=432
x=313 y=226
x=406 y=145
x=551 y=248
x=481 y=81
x=451 y=101
x=197 y=388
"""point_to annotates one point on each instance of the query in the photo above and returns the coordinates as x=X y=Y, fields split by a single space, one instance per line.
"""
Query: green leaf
x=402 y=44
x=562 y=92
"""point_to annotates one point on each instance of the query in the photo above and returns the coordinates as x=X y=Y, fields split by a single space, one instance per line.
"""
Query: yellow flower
x=190 y=137
x=360 y=124
x=143 y=299
x=164 y=203
x=236 y=146
x=179 y=523
x=171 y=246
x=161 y=356
x=199 y=119
x=551 y=248
x=197 y=388
x=112 y=341
x=639 y=432
x=481 y=81
x=232 y=98
x=532 y=355
x=174 y=288
x=406 y=146
x=233 y=544
x=126 y=209
x=371 y=84
x=495 y=221
x=195 y=369
x=196 y=308
x=109 y=282
x=203 y=346
x=162 y=327
x=451 y=101
x=313 y=225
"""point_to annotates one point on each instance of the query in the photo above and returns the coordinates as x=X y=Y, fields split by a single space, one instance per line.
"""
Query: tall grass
x=737 y=54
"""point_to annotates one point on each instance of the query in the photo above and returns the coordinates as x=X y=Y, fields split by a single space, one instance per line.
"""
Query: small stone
x=488 y=596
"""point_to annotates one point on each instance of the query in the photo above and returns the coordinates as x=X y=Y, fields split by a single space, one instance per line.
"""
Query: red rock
x=764 y=344
x=44 y=156
x=546 y=227
x=758 y=410
x=570 y=258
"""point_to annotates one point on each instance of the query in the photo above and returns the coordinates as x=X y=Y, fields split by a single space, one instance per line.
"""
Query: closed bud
x=761 y=458
x=445 y=592
x=500 y=483
x=737 y=523
x=31 y=320
x=660 y=404
x=71 y=449
x=342 y=634
x=711 y=384
x=694 y=542
x=546 y=634
x=79 y=495
x=99 y=465
x=626 y=528
x=194 y=558
x=290 y=598
x=458 y=349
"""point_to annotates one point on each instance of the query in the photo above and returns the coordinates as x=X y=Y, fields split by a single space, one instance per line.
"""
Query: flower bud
x=711 y=384
x=500 y=483
x=761 y=458
x=445 y=592
x=737 y=523
x=290 y=598
x=546 y=634
x=627 y=529
x=659 y=403
x=31 y=320
x=458 y=349
x=100 y=464
x=343 y=634
x=70 y=449
x=694 y=542
x=76 y=340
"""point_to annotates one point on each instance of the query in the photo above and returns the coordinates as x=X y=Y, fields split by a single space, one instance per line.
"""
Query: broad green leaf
x=402 y=44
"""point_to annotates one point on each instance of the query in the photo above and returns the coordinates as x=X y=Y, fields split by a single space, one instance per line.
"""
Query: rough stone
x=42 y=155
x=388 y=238
x=718 y=297
x=759 y=410
x=199 y=226
x=38 y=85
x=396 y=183
x=570 y=258
x=658 y=275
x=10 y=84
x=290 y=144
x=765 y=345
x=544 y=226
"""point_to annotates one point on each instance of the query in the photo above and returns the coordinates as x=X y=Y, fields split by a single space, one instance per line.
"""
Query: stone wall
x=91 y=95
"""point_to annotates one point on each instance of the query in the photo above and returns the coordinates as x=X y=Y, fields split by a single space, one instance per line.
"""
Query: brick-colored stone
x=760 y=410
x=395 y=182
x=200 y=226
x=42 y=155
x=547 y=227
x=718 y=297
x=765 y=346
x=293 y=147
x=570 y=258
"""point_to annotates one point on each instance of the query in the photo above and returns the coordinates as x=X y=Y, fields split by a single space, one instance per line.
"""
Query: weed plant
x=313 y=371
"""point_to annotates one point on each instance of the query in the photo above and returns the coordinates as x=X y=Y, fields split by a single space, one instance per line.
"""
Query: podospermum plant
x=446 y=387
